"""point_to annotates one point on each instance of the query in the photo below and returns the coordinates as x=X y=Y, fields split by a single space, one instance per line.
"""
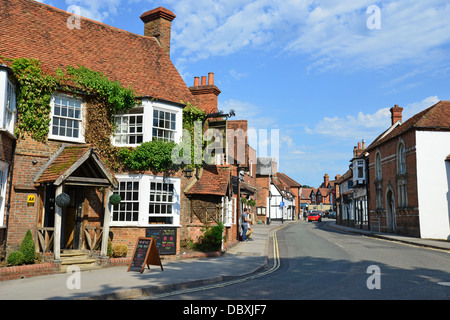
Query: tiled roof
x=306 y=193
x=324 y=191
x=214 y=180
x=29 y=29
x=436 y=117
x=288 y=180
x=62 y=162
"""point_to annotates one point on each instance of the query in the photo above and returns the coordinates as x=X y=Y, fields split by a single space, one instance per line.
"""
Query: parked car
x=314 y=216
x=332 y=215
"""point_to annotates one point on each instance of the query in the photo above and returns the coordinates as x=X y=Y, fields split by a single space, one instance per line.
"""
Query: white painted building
x=433 y=183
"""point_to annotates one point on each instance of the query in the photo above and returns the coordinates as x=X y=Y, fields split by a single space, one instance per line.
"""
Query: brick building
x=409 y=174
x=70 y=160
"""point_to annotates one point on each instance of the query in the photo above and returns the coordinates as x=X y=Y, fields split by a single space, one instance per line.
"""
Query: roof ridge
x=88 y=19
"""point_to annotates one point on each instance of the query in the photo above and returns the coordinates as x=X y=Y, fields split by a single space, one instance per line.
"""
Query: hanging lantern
x=63 y=200
x=115 y=199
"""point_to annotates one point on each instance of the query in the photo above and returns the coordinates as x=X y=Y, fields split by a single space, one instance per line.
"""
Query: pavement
x=244 y=259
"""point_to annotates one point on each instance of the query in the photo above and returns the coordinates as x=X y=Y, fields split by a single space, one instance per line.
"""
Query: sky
x=321 y=75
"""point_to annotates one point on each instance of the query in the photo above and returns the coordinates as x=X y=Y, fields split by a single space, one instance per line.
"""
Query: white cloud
x=411 y=31
x=332 y=33
x=97 y=10
x=365 y=126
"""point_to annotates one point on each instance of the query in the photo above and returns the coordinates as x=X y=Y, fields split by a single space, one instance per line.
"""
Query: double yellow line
x=276 y=265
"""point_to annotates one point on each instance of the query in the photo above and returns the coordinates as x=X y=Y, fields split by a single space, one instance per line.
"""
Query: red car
x=314 y=216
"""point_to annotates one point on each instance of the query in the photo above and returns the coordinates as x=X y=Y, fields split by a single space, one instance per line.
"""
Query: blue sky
x=316 y=70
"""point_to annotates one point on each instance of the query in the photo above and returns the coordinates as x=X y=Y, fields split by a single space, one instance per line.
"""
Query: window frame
x=148 y=106
x=4 y=170
x=126 y=201
x=401 y=158
x=378 y=167
x=8 y=124
x=134 y=112
x=82 y=119
x=171 y=131
x=145 y=181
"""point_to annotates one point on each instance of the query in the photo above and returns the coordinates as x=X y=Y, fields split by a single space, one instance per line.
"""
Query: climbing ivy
x=105 y=98
x=154 y=155
x=36 y=88
x=33 y=98
x=117 y=97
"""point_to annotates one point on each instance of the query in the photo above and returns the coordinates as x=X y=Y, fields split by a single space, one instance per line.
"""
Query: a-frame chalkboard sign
x=145 y=253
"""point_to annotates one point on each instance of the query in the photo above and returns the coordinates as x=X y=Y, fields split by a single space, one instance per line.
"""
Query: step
x=78 y=258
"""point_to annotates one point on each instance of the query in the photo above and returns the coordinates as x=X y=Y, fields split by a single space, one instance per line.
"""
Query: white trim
x=80 y=139
x=148 y=107
x=3 y=81
x=4 y=168
x=144 y=200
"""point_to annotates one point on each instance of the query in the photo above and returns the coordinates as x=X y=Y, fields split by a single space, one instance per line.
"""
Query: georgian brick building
x=409 y=174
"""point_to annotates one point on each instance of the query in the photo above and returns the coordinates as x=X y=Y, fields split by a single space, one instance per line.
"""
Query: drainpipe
x=8 y=205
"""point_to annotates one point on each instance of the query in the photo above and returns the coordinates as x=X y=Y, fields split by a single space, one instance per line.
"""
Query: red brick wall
x=28 y=271
x=24 y=217
x=407 y=219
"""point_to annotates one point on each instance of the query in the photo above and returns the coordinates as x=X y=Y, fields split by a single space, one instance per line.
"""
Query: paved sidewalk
x=116 y=283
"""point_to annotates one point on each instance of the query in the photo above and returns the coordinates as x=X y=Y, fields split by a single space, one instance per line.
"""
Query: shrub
x=16 y=258
x=28 y=248
x=120 y=251
x=211 y=240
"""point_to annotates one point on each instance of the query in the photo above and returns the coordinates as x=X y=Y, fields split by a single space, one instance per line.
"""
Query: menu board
x=166 y=239
x=145 y=253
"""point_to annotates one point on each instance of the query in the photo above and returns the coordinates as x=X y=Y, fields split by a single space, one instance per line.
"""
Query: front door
x=72 y=218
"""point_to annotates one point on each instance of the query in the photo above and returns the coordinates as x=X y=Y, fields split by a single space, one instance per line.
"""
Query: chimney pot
x=203 y=81
x=210 y=78
x=196 y=81
x=359 y=145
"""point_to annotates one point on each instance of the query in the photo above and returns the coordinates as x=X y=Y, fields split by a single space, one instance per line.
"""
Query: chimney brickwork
x=206 y=92
x=396 y=114
x=158 y=24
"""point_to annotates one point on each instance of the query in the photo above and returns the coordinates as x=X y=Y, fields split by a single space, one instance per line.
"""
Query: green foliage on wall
x=155 y=155
x=36 y=88
x=105 y=99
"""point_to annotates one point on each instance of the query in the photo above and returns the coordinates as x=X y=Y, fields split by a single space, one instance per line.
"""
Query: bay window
x=7 y=102
x=129 y=128
x=153 y=120
x=146 y=200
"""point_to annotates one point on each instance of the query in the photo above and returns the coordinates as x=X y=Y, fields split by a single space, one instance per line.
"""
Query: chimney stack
x=206 y=92
x=396 y=114
x=158 y=24
x=326 y=180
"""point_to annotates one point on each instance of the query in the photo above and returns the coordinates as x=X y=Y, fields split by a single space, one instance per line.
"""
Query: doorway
x=390 y=212
x=72 y=218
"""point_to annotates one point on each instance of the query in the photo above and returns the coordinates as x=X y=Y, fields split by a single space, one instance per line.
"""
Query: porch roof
x=213 y=180
x=77 y=165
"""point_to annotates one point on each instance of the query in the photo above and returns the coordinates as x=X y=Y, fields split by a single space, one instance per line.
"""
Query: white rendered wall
x=433 y=182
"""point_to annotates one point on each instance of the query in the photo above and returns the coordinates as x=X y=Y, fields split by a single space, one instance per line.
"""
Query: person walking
x=244 y=224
